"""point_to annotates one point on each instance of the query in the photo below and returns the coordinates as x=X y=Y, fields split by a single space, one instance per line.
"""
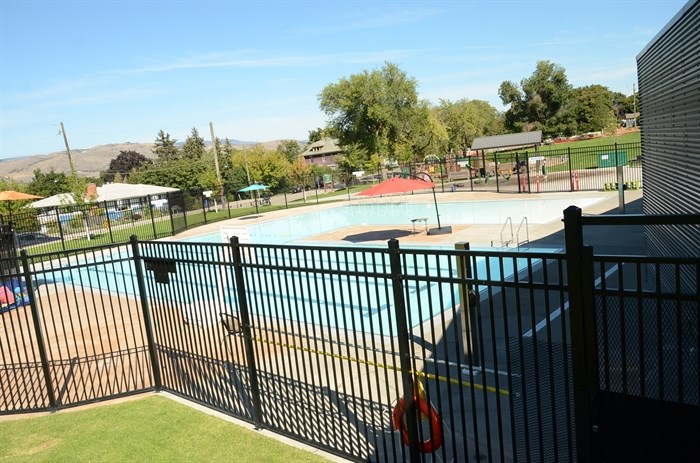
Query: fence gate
x=636 y=356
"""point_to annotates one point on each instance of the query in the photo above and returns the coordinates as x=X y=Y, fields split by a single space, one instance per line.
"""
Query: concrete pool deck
x=541 y=235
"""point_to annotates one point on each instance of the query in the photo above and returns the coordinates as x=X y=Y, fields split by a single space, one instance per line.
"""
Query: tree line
x=377 y=117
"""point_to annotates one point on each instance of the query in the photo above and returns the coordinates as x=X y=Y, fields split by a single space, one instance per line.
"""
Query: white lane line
x=558 y=311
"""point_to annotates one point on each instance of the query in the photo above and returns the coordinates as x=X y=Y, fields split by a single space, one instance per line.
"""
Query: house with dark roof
x=324 y=152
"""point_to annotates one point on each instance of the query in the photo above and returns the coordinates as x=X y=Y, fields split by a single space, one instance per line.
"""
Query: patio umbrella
x=255 y=187
x=397 y=185
x=11 y=195
x=404 y=185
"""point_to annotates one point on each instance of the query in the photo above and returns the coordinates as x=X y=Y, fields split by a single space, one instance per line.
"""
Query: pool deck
x=541 y=235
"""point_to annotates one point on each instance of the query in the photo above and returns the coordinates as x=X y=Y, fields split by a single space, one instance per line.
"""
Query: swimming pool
x=204 y=291
x=289 y=229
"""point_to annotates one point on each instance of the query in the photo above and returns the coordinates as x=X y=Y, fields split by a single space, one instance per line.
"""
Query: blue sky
x=118 y=71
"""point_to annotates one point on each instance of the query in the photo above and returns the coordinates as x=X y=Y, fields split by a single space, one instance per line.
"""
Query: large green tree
x=537 y=103
x=370 y=109
x=315 y=135
x=165 y=147
x=48 y=183
x=267 y=167
x=289 y=149
x=194 y=147
x=300 y=174
x=623 y=104
x=466 y=120
x=588 y=109
x=180 y=173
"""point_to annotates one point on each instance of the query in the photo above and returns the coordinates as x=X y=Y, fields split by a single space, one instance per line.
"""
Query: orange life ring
x=426 y=409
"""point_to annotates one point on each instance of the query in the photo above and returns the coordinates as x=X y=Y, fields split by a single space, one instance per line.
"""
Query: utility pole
x=245 y=156
x=65 y=140
x=216 y=160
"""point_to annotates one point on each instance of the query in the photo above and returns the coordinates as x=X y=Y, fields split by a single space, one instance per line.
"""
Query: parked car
x=25 y=239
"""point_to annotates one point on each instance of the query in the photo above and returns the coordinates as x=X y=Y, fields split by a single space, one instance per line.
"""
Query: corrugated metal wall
x=669 y=96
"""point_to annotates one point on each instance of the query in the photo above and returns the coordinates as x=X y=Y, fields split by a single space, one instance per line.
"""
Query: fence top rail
x=641 y=219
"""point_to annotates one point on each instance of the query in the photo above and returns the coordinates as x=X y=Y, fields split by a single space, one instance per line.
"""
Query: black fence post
x=155 y=365
x=151 y=210
x=619 y=170
x=404 y=349
x=579 y=267
x=108 y=222
x=495 y=160
x=247 y=333
x=468 y=305
x=60 y=229
x=571 y=170
x=527 y=171
x=36 y=319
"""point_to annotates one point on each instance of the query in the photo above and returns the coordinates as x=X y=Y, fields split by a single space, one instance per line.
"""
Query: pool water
x=201 y=297
x=290 y=229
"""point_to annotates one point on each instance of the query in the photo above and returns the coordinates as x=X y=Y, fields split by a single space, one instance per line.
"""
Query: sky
x=120 y=71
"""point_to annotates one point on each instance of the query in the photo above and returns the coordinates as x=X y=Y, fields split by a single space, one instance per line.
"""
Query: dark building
x=669 y=96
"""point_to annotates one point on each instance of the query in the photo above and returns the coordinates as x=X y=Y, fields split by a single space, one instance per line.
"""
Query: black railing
x=371 y=353
x=636 y=346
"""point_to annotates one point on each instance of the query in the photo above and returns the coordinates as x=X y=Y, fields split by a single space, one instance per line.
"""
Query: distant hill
x=88 y=162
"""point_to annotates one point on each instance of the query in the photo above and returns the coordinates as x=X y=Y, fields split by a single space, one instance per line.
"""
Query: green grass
x=153 y=429
x=632 y=137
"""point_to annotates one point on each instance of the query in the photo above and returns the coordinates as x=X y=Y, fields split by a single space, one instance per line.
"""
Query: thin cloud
x=387 y=20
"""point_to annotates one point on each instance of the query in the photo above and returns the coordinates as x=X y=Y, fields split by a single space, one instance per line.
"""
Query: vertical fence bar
x=155 y=367
x=583 y=336
x=247 y=333
x=26 y=271
x=404 y=350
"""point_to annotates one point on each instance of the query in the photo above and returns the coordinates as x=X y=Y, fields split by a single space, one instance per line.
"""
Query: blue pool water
x=201 y=297
x=290 y=229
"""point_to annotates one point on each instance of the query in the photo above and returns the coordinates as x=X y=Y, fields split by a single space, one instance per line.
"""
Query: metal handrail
x=504 y=244
x=527 y=232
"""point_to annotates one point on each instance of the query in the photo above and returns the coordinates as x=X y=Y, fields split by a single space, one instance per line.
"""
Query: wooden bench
x=459 y=175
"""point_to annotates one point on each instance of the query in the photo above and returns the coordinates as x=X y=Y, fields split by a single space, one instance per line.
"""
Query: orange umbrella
x=11 y=195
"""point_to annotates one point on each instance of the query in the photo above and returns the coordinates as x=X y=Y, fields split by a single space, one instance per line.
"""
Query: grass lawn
x=153 y=429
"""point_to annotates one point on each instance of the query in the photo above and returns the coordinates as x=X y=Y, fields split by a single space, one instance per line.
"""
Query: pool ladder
x=508 y=227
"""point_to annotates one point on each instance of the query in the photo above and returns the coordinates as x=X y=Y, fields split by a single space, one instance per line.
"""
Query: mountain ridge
x=89 y=162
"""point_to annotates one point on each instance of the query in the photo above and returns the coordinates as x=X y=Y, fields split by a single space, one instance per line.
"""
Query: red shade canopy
x=396 y=185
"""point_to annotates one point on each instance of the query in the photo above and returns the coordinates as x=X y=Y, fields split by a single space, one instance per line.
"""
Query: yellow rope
x=418 y=374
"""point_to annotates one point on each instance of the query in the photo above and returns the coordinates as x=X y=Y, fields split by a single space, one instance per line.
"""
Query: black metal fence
x=605 y=168
x=636 y=325
x=468 y=355
x=152 y=217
